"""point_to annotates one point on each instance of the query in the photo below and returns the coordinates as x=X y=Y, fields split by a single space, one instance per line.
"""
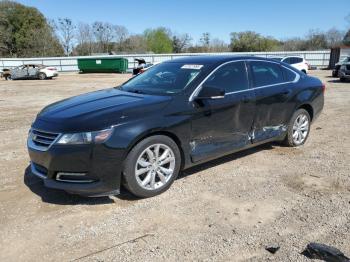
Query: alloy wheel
x=155 y=166
x=300 y=129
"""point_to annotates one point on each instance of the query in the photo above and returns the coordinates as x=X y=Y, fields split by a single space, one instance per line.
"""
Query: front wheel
x=298 y=128
x=152 y=166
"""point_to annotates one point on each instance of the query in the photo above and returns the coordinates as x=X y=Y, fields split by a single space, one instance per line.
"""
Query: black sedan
x=173 y=116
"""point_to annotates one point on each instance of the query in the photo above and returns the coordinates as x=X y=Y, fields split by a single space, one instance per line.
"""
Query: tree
x=334 y=37
x=217 y=45
x=103 y=33
x=66 y=30
x=250 y=41
x=346 y=40
x=316 y=40
x=158 y=40
x=181 y=42
x=85 y=39
x=120 y=35
x=136 y=44
x=205 y=39
x=24 y=31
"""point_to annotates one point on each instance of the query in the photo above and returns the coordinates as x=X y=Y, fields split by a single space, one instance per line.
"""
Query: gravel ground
x=226 y=210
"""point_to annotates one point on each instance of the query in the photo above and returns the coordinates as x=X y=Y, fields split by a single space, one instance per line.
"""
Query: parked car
x=342 y=60
x=175 y=115
x=142 y=66
x=344 y=72
x=32 y=71
x=297 y=62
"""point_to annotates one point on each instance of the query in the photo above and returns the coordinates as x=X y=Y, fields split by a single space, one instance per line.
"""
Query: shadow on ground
x=58 y=197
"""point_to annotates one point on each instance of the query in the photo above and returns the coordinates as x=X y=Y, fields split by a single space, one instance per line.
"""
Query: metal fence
x=319 y=59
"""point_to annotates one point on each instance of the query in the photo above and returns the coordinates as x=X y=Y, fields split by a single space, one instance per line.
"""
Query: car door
x=19 y=72
x=273 y=99
x=32 y=71
x=223 y=125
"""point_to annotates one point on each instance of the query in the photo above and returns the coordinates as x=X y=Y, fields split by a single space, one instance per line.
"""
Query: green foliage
x=250 y=41
x=158 y=40
x=24 y=31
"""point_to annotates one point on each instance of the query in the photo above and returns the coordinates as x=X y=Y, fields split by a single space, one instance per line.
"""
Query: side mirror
x=211 y=92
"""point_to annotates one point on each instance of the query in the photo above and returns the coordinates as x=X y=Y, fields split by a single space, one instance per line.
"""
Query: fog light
x=73 y=177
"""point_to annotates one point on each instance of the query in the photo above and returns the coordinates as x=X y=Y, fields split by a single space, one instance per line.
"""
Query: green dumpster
x=103 y=65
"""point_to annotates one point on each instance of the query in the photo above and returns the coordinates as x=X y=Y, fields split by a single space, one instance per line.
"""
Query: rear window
x=289 y=75
x=266 y=73
x=296 y=60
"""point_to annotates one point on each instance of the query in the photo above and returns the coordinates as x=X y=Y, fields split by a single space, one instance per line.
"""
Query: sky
x=278 y=18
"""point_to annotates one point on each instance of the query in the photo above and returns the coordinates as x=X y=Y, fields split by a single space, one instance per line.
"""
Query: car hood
x=97 y=110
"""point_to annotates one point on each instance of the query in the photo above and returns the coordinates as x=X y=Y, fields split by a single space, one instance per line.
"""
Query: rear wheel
x=42 y=76
x=342 y=79
x=298 y=128
x=152 y=166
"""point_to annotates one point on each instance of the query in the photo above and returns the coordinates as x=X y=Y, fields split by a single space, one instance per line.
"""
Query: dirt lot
x=226 y=210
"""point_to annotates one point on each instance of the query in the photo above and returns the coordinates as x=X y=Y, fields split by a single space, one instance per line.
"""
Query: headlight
x=85 y=138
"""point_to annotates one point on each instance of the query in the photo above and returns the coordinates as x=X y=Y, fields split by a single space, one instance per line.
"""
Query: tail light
x=323 y=87
x=308 y=66
x=52 y=68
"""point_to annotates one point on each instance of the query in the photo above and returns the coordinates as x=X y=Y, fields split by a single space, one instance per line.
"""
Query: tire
x=304 y=71
x=149 y=169
x=342 y=79
x=293 y=141
x=42 y=76
x=8 y=77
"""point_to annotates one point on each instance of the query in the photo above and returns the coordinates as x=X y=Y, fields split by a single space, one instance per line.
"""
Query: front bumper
x=100 y=165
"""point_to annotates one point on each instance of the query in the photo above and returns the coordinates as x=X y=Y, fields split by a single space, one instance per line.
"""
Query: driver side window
x=232 y=77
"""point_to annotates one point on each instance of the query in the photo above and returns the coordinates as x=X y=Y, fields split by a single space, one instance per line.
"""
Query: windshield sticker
x=196 y=67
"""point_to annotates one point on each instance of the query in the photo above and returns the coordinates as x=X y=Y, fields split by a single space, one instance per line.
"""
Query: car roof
x=215 y=59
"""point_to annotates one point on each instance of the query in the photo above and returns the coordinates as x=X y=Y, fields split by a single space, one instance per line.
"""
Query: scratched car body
x=175 y=115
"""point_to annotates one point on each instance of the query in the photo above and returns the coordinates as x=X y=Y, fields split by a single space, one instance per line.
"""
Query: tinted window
x=289 y=75
x=232 y=77
x=296 y=60
x=265 y=73
x=287 y=60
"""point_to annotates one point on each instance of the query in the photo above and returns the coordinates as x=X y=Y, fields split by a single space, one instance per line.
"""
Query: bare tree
x=217 y=45
x=103 y=33
x=334 y=37
x=181 y=42
x=120 y=35
x=66 y=30
x=205 y=39
x=85 y=39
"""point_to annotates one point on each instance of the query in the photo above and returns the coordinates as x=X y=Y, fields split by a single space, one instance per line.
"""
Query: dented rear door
x=273 y=100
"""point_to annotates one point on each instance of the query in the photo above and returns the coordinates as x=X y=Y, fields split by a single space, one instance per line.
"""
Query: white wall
x=315 y=58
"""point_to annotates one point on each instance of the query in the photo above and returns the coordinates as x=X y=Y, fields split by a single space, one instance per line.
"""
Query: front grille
x=43 y=139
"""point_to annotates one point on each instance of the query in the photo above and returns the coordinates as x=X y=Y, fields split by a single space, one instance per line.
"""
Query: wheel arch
x=171 y=135
x=309 y=109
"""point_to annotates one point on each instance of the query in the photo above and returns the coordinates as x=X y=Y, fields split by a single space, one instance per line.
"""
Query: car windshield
x=165 y=78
